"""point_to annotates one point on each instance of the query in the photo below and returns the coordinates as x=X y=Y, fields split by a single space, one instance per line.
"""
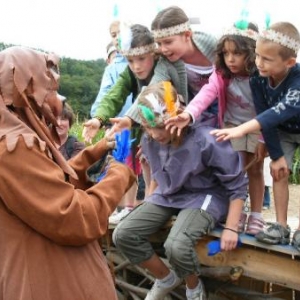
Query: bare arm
x=236 y=132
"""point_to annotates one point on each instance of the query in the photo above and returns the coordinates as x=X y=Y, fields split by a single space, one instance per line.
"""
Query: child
x=276 y=91
x=235 y=62
x=143 y=67
x=177 y=42
x=112 y=72
x=201 y=192
x=69 y=145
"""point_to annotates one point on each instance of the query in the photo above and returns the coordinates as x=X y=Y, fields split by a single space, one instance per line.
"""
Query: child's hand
x=229 y=239
x=279 y=168
x=120 y=123
x=90 y=129
x=227 y=134
x=178 y=122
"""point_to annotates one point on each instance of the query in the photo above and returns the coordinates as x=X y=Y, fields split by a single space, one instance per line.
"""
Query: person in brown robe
x=51 y=215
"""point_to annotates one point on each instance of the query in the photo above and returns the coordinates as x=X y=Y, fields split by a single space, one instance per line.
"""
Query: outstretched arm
x=120 y=123
x=236 y=132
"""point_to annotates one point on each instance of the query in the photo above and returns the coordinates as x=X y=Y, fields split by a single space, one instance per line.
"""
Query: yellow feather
x=170 y=103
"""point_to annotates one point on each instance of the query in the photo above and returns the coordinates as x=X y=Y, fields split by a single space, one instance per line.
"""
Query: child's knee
x=176 y=250
x=119 y=236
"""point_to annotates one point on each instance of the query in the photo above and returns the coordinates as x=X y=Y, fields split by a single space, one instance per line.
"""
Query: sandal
x=296 y=240
x=255 y=225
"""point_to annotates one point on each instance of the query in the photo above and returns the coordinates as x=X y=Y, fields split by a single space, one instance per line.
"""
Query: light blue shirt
x=109 y=78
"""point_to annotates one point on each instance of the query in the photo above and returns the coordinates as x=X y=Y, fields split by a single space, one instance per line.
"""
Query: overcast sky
x=79 y=28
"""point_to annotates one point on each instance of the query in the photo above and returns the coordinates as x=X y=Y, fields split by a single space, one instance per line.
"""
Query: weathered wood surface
x=272 y=264
x=258 y=263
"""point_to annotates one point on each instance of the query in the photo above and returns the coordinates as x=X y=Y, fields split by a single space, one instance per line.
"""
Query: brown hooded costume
x=49 y=226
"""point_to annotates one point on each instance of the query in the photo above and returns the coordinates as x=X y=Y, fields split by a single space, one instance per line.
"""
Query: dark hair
x=169 y=17
x=67 y=113
x=141 y=36
x=243 y=45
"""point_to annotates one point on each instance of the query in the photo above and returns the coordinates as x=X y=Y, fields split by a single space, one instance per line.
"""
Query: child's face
x=114 y=33
x=234 y=60
x=141 y=65
x=160 y=134
x=174 y=47
x=269 y=62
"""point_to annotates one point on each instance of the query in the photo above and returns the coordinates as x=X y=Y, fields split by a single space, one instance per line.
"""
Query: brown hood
x=29 y=81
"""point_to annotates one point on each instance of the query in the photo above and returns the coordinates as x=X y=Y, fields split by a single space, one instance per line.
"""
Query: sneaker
x=254 y=225
x=116 y=218
x=242 y=222
x=158 y=291
x=266 y=207
x=114 y=212
x=296 y=240
x=199 y=295
x=274 y=234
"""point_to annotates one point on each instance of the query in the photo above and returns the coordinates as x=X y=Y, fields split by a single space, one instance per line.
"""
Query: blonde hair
x=290 y=32
x=157 y=103
x=161 y=101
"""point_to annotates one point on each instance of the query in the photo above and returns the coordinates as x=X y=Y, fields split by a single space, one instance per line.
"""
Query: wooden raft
x=270 y=263
x=278 y=266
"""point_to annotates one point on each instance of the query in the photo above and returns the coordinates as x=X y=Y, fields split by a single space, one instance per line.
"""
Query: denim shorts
x=289 y=143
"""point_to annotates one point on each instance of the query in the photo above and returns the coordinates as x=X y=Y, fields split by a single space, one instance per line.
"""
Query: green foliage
x=295 y=176
x=80 y=82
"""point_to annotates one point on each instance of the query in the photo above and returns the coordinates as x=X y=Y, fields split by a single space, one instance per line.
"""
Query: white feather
x=157 y=107
x=125 y=36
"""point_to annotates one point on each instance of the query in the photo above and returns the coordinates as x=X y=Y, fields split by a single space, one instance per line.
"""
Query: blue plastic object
x=214 y=247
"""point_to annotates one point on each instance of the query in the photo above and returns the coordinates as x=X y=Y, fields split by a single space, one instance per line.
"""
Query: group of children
x=253 y=80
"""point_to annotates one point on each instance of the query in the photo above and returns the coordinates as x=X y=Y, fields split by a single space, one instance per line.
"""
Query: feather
x=148 y=115
x=268 y=20
x=120 y=153
x=116 y=11
x=170 y=104
x=243 y=23
x=125 y=37
x=123 y=145
x=157 y=106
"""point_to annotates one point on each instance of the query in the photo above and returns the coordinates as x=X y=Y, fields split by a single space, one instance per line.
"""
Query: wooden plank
x=276 y=264
x=251 y=240
x=257 y=263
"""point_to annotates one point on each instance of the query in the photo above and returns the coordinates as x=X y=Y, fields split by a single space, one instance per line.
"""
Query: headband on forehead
x=169 y=31
x=249 y=33
x=139 y=50
x=281 y=39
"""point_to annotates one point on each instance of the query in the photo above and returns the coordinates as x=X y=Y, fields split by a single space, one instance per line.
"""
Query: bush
x=294 y=177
